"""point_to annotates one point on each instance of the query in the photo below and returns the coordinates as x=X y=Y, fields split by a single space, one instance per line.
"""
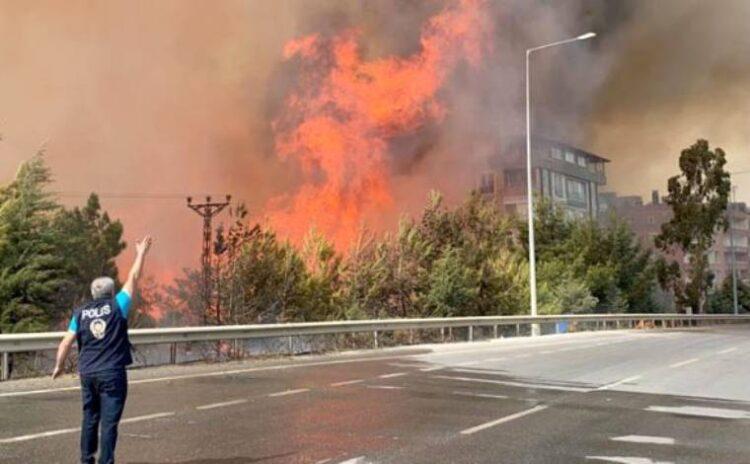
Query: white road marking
x=37 y=392
x=479 y=395
x=358 y=460
x=547 y=351
x=38 y=435
x=503 y=420
x=684 y=363
x=392 y=376
x=289 y=392
x=158 y=415
x=137 y=435
x=53 y=433
x=645 y=439
x=619 y=382
x=385 y=387
x=628 y=460
x=432 y=369
x=220 y=405
x=347 y=382
x=728 y=350
x=698 y=411
x=514 y=384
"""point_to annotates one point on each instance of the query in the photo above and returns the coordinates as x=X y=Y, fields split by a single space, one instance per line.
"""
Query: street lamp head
x=587 y=35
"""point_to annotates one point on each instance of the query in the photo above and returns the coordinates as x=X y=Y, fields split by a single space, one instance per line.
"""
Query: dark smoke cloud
x=680 y=71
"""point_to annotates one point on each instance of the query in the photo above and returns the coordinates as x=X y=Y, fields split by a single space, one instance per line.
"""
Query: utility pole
x=735 y=305
x=207 y=211
x=730 y=208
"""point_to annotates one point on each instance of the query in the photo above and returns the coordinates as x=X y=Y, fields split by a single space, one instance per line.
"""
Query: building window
x=558 y=186
x=739 y=242
x=570 y=157
x=556 y=153
x=515 y=178
x=487 y=183
x=576 y=191
x=582 y=161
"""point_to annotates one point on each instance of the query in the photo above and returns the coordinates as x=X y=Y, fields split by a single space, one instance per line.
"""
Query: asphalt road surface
x=676 y=396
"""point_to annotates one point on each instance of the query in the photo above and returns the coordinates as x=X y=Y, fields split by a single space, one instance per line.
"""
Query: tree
x=698 y=197
x=609 y=258
x=453 y=286
x=89 y=242
x=32 y=273
x=49 y=255
x=722 y=300
x=268 y=281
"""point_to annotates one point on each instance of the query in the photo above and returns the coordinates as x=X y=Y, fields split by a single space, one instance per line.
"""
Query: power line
x=126 y=195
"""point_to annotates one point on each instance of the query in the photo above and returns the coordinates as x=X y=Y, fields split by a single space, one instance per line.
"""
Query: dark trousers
x=104 y=395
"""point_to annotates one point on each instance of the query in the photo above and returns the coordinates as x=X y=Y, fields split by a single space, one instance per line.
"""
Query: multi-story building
x=646 y=221
x=569 y=176
x=732 y=242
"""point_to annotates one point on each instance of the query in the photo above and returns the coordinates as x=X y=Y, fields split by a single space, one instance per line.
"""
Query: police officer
x=100 y=328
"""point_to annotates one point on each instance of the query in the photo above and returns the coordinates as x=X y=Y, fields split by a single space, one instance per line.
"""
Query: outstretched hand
x=56 y=373
x=142 y=246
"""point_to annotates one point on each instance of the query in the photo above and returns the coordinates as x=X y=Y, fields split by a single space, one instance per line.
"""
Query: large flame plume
x=343 y=111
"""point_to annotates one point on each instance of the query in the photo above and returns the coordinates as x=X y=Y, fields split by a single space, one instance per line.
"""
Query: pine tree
x=32 y=274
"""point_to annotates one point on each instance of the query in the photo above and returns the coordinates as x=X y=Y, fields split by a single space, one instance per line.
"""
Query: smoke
x=181 y=97
x=681 y=72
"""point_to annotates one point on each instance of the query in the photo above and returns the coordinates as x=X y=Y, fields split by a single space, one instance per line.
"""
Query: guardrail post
x=518 y=330
x=291 y=345
x=375 y=338
x=494 y=331
x=442 y=334
x=173 y=353
x=5 y=368
x=471 y=333
x=411 y=336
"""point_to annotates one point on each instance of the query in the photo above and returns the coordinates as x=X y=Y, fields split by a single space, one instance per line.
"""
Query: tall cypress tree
x=31 y=272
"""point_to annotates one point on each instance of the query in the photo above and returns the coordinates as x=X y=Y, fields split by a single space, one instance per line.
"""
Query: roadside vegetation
x=467 y=260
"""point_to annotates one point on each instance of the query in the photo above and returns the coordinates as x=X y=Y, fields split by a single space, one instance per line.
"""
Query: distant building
x=569 y=176
x=646 y=221
x=720 y=256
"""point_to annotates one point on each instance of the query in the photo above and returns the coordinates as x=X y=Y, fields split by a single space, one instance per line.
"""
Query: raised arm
x=141 y=248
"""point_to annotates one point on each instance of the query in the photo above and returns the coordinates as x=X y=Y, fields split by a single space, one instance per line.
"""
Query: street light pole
x=734 y=258
x=529 y=183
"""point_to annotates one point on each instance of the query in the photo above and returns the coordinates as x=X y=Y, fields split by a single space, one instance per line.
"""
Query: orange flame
x=338 y=121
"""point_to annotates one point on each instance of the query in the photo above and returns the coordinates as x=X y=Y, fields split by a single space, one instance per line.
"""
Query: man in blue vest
x=101 y=329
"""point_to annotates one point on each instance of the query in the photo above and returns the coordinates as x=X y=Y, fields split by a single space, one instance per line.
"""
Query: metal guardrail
x=31 y=342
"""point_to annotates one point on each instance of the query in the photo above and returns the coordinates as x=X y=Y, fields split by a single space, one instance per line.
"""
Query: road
x=674 y=396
